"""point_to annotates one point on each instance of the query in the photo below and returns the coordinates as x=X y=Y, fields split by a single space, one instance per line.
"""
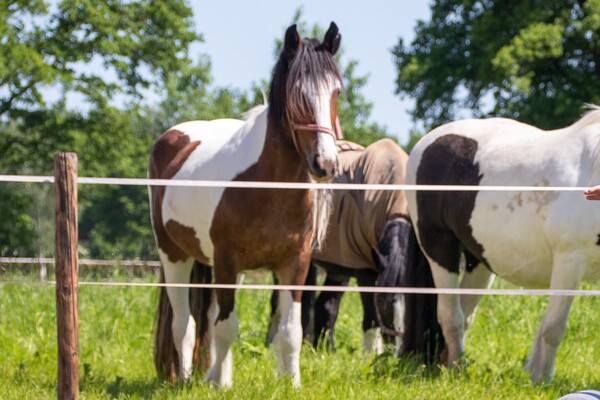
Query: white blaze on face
x=322 y=104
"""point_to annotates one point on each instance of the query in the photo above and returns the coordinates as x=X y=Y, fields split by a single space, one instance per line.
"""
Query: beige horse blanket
x=359 y=216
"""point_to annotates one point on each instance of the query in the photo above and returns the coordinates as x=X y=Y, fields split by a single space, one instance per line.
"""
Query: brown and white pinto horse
x=235 y=229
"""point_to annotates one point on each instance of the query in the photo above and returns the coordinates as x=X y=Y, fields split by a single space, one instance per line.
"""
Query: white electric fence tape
x=286 y=185
x=294 y=185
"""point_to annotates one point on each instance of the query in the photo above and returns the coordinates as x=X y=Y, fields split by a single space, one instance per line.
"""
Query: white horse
x=535 y=239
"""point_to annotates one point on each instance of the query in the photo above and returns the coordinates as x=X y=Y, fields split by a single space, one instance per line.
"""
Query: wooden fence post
x=67 y=269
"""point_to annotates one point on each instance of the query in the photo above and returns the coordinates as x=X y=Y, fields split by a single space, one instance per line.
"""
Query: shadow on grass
x=406 y=368
x=139 y=387
x=92 y=382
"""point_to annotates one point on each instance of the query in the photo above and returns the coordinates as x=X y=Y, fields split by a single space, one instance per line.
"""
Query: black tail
x=423 y=335
x=390 y=259
x=200 y=302
x=166 y=359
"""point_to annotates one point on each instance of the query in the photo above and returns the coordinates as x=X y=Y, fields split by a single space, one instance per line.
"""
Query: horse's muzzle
x=322 y=170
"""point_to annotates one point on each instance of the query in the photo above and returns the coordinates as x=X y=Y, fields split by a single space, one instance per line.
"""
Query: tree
x=98 y=49
x=108 y=54
x=355 y=109
x=537 y=61
x=192 y=95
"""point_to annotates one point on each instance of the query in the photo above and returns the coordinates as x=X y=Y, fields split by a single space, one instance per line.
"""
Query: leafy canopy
x=537 y=60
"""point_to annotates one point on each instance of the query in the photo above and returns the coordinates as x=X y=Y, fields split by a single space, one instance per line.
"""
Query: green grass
x=116 y=330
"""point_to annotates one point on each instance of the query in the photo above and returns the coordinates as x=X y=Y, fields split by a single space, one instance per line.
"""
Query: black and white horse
x=535 y=239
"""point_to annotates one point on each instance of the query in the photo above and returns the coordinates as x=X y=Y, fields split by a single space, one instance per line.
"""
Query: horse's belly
x=523 y=240
x=514 y=243
x=528 y=272
x=521 y=264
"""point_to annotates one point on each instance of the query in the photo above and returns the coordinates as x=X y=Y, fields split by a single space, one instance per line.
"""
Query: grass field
x=116 y=330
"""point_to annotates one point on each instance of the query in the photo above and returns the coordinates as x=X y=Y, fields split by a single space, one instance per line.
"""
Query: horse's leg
x=326 y=311
x=308 y=304
x=449 y=314
x=183 y=325
x=566 y=275
x=444 y=257
x=200 y=299
x=399 y=311
x=449 y=311
x=479 y=277
x=275 y=316
x=223 y=325
x=372 y=337
x=289 y=336
x=308 y=308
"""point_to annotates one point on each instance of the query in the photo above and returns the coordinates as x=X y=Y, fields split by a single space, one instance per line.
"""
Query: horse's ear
x=331 y=43
x=292 y=40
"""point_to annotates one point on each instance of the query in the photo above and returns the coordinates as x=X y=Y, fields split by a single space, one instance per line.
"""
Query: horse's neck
x=280 y=161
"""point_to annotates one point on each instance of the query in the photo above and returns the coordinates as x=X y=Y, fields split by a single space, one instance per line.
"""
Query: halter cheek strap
x=336 y=134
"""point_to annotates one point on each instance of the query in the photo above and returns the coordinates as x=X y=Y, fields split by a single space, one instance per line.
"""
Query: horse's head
x=303 y=97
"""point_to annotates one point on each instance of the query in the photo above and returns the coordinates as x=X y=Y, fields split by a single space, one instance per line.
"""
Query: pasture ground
x=116 y=338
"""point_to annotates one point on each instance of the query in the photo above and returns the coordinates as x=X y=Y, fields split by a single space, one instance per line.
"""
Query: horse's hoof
x=459 y=363
x=218 y=383
x=296 y=381
x=539 y=374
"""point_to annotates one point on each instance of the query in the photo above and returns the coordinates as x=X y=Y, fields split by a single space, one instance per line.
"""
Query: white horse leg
x=566 y=274
x=449 y=313
x=289 y=337
x=373 y=341
x=543 y=352
x=479 y=278
x=399 y=310
x=183 y=325
x=221 y=334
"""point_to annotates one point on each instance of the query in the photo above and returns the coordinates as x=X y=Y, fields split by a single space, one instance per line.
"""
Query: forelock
x=311 y=69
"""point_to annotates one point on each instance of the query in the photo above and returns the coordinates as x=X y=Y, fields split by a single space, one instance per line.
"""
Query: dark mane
x=310 y=64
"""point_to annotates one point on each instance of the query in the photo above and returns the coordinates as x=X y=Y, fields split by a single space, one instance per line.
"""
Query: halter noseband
x=336 y=133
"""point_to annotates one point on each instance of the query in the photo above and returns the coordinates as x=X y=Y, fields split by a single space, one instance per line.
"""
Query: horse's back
x=383 y=162
x=517 y=233
x=174 y=147
x=201 y=150
x=359 y=216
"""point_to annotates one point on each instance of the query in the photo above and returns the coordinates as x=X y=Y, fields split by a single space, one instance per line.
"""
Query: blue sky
x=239 y=37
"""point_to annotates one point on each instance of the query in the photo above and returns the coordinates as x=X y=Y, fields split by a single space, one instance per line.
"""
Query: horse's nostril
x=326 y=164
x=320 y=169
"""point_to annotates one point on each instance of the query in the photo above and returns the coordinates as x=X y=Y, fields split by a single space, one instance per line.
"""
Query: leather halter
x=336 y=133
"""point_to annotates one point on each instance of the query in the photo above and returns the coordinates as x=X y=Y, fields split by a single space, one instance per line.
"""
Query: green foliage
x=354 y=109
x=16 y=226
x=191 y=96
x=537 y=61
x=94 y=48
x=108 y=53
